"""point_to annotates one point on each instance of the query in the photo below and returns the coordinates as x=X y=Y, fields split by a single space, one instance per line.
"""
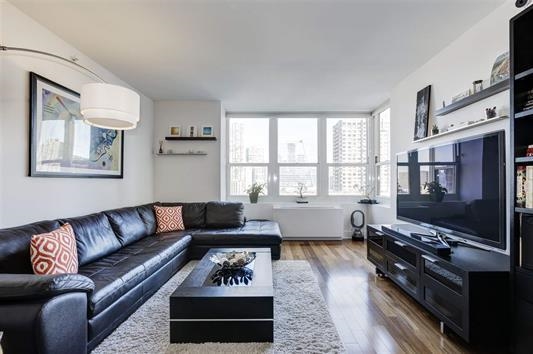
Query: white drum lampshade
x=110 y=106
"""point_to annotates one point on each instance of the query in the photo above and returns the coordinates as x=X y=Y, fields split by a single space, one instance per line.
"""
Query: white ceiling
x=261 y=55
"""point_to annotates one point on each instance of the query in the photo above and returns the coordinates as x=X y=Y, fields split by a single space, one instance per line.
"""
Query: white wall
x=24 y=199
x=468 y=58
x=187 y=178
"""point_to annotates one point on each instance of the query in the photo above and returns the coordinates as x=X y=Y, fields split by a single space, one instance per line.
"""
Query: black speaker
x=526 y=236
x=521 y=3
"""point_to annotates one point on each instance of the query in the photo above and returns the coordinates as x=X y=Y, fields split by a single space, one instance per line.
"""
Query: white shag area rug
x=301 y=320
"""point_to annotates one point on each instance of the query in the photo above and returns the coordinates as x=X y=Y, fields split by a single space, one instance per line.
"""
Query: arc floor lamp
x=101 y=104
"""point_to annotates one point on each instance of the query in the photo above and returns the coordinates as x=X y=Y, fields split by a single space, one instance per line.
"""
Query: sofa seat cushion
x=121 y=271
x=253 y=232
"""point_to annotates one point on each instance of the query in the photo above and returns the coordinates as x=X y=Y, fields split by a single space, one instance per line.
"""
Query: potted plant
x=435 y=129
x=366 y=191
x=254 y=191
x=436 y=191
x=301 y=189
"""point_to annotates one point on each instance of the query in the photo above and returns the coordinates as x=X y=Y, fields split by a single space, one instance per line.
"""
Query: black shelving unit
x=521 y=51
x=190 y=138
x=476 y=97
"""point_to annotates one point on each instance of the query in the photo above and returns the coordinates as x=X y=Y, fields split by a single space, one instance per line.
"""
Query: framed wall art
x=422 y=113
x=61 y=143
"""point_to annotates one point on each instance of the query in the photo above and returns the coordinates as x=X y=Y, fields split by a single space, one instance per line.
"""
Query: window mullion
x=273 y=167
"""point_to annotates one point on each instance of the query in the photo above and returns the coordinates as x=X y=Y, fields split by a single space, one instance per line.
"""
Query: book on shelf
x=529 y=187
x=521 y=186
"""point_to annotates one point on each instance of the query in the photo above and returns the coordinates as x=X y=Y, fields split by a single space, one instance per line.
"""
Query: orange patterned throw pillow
x=54 y=252
x=168 y=219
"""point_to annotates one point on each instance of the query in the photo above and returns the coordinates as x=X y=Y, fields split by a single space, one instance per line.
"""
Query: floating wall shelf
x=190 y=138
x=476 y=97
x=463 y=127
x=183 y=154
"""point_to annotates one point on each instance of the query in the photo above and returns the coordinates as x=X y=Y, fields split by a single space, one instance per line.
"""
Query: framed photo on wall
x=422 y=113
x=61 y=143
x=175 y=130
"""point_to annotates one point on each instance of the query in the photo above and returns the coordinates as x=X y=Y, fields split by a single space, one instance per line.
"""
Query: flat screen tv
x=457 y=188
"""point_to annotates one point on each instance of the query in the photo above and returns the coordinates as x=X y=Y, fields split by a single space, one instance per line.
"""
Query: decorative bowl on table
x=233 y=260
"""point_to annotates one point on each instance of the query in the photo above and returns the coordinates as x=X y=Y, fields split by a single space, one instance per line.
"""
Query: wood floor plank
x=372 y=314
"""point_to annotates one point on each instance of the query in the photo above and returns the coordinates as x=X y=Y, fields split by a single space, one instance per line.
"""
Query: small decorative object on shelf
x=254 y=191
x=191 y=131
x=490 y=112
x=436 y=191
x=521 y=186
x=301 y=189
x=529 y=187
x=435 y=129
x=529 y=151
x=477 y=86
x=461 y=96
x=160 y=146
x=233 y=259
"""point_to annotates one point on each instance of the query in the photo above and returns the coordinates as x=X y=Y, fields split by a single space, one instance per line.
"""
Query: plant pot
x=253 y=197
x=437 y=197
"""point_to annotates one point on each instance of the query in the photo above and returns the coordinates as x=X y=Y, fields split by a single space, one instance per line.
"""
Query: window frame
x=376 y=161
x=273 y=166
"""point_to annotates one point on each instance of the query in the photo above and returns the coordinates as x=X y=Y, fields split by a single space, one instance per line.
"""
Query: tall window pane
x=347 y=180
x=384 y=180
x=242 y=177
x=248 y=140
x=297 y=140
x=384 y=136
x=291 y=177
x=347 y=140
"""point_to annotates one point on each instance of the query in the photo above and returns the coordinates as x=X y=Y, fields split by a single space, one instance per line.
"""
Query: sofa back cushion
x=127 y=225
x=146 y=212
x=224 y=214
x=193 y=214
x=94 y=237
x=15 y=246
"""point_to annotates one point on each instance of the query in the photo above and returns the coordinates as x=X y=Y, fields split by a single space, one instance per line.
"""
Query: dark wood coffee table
x=201 y=311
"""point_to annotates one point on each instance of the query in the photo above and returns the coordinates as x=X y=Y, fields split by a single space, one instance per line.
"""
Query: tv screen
x=457 y=188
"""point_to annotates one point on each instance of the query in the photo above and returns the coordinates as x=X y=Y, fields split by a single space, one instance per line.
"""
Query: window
x=326 y=154
x=248 y=153
x=382 y=159
x=297 y=155
x=347 y=155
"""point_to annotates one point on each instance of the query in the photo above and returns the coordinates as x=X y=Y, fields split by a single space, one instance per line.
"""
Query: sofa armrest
x=30 y=286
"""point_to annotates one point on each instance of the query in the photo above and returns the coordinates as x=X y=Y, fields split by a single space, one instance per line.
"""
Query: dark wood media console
x=467 y=291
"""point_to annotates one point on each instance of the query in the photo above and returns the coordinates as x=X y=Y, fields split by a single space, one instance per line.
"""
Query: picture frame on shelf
x=192 y=131
x=500 y=69
x=61 y=143
x=207 y=131
x=175 y=130
x=422 y=113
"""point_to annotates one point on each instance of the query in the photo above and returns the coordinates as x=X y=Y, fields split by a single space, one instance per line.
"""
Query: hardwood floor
x=372 y=314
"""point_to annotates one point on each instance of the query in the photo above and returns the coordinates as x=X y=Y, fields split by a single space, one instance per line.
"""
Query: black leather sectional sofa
x=121 y=264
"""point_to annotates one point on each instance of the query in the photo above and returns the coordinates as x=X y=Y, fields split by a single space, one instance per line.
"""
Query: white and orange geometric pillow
x=54 y=252
x=168 y=219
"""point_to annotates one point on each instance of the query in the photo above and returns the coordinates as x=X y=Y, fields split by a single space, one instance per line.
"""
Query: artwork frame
x=71 y=149
x=500 y=69
x=422 y=113
x=175 y=130
x=207 y=131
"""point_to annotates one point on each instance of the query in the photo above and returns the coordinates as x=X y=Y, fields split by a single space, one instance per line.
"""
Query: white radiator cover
x=315 y=222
